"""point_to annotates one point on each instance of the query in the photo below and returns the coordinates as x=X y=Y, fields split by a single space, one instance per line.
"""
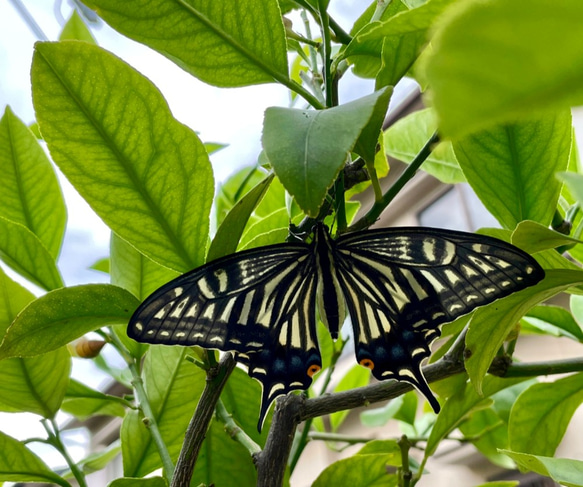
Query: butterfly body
x=397 y=285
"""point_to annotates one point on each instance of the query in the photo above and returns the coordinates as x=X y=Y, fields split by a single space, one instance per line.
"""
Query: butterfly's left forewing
x=258 y=303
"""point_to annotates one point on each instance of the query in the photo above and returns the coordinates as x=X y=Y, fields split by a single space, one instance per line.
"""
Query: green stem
x=326 y=44
x=235 y=431
x=322 y=436
x=54 y=438
x=535 y=369
x=405 y=471
x=379 y=206
x=380 y=9
x=341 y=35
x=146 y=408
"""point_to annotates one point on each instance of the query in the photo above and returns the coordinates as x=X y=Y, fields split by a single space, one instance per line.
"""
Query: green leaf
x=134 y=271
x=19 y=464
x=60 y=316
x=542 y=413
x=23 y=251
x=491 y=324
x=231 y=229
x=242 y=399
x=463 y=402
x=222 y=43
x=219 y=451
x=495 y=61
x=139 y=482
x=111 y=133
x=512 y=167
x=29 y=191
x=75 y=29
x=400 y=37
x=101 y=265
x=365 y=56
x=234 y=188
x=533 y=237
x=381 y=416
x=574 y=182
x=357 y=376
x=358 y=471
x=35 y=384
x=557 y=320
x=308 y=148
x=173 y=386
x=98 y=460
x=82 y=402
x=405 y=138
x=562 y=470
x=13 y=298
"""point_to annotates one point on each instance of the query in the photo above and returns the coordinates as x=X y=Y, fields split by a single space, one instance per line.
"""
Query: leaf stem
x=54 y=438
x=405 y=473
x=235 y=431
x=144 y=405
x=379 y=206
x=326 y=44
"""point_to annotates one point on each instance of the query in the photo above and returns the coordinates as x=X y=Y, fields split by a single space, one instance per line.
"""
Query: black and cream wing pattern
x=397 y=285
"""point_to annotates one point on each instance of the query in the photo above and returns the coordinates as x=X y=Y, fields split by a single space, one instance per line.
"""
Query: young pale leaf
x=491 y=325
x=562 y=470
x=29 y=191
x=111 y=133
x=75 y=29
x=19 y=464
x=542 y=413
x=231 y=229
x=60 y=316
x=400 y=37
x=574 y=182
x=223 y=43
x=308 y=148
x=174 y=386
x=357 y=376
x=512 y=167
x=23 y=251
x=35 y=384
x=406 y=137
x=495 y=61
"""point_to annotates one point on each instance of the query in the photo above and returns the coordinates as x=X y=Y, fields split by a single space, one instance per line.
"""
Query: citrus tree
x=498 y=78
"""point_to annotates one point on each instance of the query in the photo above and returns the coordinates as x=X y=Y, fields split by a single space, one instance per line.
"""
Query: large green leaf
x=542 y=413
x=495 y=61
x=19 y=464
x=173 y=386
x=35 y=384
x=139 y=482
x=556 y=320
x=23 y=251
x=221 y=42
x=29 y=191
x=13 y=298
x=60 y=316
x=512 y=167
x=75 y=29
x=534 y=237
x=562 y=470
x=112 y=134
x=307 y=148
x=491 y=324
x=405 y=138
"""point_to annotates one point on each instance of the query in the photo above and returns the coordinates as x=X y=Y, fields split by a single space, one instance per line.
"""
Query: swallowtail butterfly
x=398 y=285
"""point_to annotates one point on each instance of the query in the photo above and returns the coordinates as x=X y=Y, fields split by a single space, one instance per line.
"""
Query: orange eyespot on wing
x=368 y=363
x=313 y=370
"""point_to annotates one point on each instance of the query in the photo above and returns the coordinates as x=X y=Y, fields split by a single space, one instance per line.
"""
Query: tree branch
x=196 y=431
